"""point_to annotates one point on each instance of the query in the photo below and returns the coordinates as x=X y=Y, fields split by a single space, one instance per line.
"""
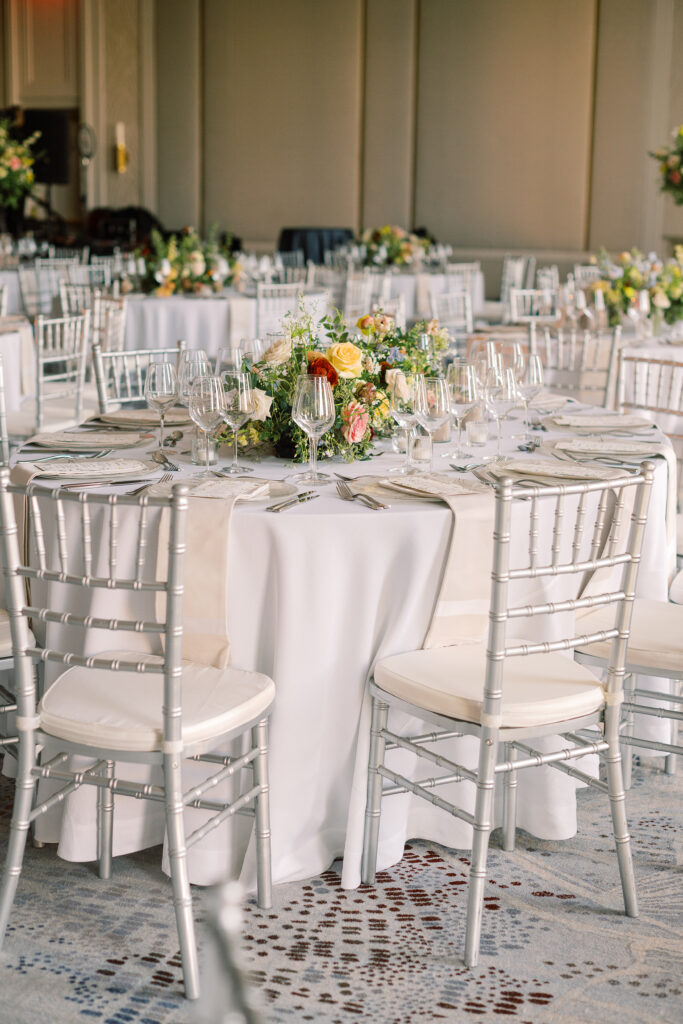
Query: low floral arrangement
x=634 y=272
x=360 y=372
x=670 y=159
x=186 y=265
x=392 y=246
x=16 y=166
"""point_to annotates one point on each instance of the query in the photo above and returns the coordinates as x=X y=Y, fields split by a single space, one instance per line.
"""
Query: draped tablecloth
x=10 y=278
x=415 y=289
x=315 y=596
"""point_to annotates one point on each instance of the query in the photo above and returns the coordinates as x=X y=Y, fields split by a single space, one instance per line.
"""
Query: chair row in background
x=40 y=281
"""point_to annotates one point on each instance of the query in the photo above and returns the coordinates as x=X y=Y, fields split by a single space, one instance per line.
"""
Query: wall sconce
x=120 y=151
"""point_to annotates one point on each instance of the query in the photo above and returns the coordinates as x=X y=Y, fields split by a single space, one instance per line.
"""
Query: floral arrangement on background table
x=634 y=272
x=392 y=246
x=359 y=369
x=16 y=166
x=670 y=159
x=186 y=265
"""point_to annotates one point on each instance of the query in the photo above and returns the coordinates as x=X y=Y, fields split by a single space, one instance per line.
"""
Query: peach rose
x=355 y=422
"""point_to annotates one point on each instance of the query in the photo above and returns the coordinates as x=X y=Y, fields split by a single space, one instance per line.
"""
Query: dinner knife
x=297 y=499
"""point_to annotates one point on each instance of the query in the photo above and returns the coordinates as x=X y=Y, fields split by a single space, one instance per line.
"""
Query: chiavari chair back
x=273 y=302
x=507 y=691
x=96 y=275
x=135 y=700
x=357 y=300
x=581 y=364
x=453 y=310
x=120 y=375
x=586 y=274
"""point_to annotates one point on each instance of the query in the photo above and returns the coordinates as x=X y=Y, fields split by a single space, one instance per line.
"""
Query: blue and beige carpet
x=556 y=946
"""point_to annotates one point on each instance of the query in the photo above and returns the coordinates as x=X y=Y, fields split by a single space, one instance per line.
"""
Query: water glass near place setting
x=501 y=397
x=229 y=360
x=464 y=395
x=238 y=406
x=529 y=384
x=206 y=407
x=161 y=391
x=402 y=389
x=314 y=412
x=433 y=404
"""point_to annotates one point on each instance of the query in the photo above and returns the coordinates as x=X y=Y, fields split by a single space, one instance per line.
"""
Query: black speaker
x=52 y=148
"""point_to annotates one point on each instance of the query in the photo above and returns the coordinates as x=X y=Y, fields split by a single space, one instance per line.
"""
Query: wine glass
x=501 y=395
x=402 y=391
x=433 y=404
x=313 y=410
x=229 y=360
x=237 y=408
x=194 y=363
x=529 y=385
x=464 y=394
x=206 y=404
x=161 y=391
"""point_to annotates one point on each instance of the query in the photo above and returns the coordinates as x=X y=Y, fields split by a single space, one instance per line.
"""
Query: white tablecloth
x=10 y=278
x=415 y=289
x=315 y=596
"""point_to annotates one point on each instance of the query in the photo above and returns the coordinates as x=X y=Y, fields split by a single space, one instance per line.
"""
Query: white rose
x=262 y=403
x=197 y=263
x=279 y=352
x=660 y=300
x=396 y=381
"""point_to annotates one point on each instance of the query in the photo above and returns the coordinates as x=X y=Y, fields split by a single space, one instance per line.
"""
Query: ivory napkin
x=177 y=416
x=205 y=606
x=87 y=440
x=601 y=421
x=461 y=611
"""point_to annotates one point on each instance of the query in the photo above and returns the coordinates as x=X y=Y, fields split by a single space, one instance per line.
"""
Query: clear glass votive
x=477 y=432
x=420 y=451
x=199 y=450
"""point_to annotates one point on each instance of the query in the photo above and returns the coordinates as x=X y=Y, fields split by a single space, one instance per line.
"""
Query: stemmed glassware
x=402 y=406
x=501 y=396
x=529 y=384
x=464 y=394
x=229 y=360
x=206 y=405
x=161 y=391
x=433 y=405
x=238 y=405
x=313 y=410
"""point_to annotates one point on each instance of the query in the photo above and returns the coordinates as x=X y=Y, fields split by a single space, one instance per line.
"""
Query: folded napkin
x=549 y=400
x=20 y=324
x=602 y=421
x=86 y=440
x=94 y=469
x=177 y=416
x=552 y=469
x=461 y=611
x=205 y=606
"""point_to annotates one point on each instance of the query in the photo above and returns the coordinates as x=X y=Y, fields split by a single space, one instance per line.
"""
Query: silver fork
x=165 y=478
x=345 y=492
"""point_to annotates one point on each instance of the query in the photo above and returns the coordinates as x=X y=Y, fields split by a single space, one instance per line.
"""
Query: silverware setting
x=345 y=492
x=161 y=458
x=172 y=439
x=296 y=499
x=63 y=455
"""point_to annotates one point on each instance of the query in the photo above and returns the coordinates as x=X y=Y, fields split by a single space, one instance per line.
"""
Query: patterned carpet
x=556 y=946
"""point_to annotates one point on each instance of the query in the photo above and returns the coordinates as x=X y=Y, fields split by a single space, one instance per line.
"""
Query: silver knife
x=297 y=499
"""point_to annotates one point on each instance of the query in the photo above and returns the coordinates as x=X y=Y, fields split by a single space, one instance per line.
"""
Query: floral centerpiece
x=670 y=159
x=360 y=371
x=632 y=273
x=187 y=265
x=666 y=293
x=16 y=166
x=392 y=246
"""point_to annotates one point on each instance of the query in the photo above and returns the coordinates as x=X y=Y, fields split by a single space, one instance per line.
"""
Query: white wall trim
x=148 y=105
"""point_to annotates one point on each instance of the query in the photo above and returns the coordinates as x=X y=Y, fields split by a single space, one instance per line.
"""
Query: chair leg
x=617 y=799
x=19 y=827
x=182 y=898
x=626 y=748
x=105 y=825
x=670 y=761
x=509 y=801
x=264 y=881
x=373 y=806
x=483 y=814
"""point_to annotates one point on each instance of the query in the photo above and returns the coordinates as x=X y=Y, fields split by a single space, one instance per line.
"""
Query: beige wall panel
x=672 y=214
x=45 y=69
x=389 y=114
x=178 y=86
x=504 y=113
x=121 y=44
x=282 y=114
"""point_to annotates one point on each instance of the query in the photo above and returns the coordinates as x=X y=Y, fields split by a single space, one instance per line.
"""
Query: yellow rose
x=346 y=358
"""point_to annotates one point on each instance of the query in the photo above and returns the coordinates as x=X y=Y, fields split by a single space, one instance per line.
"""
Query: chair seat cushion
x=538 y=689
x=122 y=710
x=656 y=639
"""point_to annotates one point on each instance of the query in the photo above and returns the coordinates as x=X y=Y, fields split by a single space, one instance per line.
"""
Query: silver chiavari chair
x=509 y=692
x=548 y=277
x=357 y=299
x=120 y=375
x=518 y=272
x=453 y=310
x=586 y=274
x=3 y=299
x=292 y=258
x=49 y=272
x=582 y=364
x=395 y=308
x=273 y=302
x=97 y=275
x=533 y=306
x=151 y=724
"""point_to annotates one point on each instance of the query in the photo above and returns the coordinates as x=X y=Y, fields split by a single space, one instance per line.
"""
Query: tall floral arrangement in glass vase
x=17 y=158
x=359 y=368
x=187 y=265
x=670 y=160
x=392 y=246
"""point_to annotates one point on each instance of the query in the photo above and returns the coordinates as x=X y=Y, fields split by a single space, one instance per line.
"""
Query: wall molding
x=147 y=142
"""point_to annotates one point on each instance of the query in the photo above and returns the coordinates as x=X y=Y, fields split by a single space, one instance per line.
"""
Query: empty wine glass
x=238 y=405
x=229 y=360
x=529 y=385
x=433 y=404
x=161 y=391
x=194 y=363
x=402 y=391
x=313 y=410
x=206 y=405
x=464 y=394
x=501 y=396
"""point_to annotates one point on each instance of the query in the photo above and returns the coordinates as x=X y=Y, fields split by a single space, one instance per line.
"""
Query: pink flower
x=355 y=423
x=15 y=164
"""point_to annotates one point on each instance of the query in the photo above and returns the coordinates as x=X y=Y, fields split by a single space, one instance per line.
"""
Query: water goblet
x=402 y=392
x=313 y=410
x=238 y=405
x=501 y=396
x=464 y=394
x=433 y=404
x=161 y=391
x=229 y=360
x=206 y=405
x=529 y=385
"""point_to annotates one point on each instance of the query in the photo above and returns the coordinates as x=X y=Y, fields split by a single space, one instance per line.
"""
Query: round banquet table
x=315 y=595
x=416 y=286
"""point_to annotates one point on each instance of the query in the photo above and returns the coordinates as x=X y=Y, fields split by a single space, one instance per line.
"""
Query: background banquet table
x=10 y=278
x=415 y=287
x=315 y=596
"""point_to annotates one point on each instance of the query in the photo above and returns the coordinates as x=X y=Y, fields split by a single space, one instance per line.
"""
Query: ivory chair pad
x=538 y=690
x=123 y=711
x=676 y=589
x=656 y=639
